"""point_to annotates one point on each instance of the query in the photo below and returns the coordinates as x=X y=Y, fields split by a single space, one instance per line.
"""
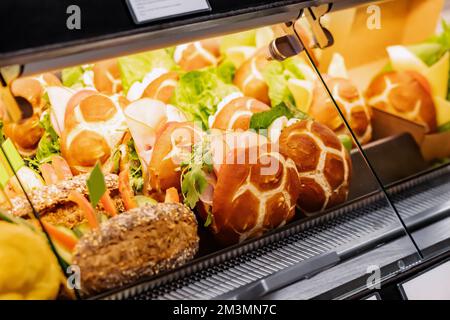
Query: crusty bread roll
x=406 y=94
x=256 y=191
x=107 y=76
x=249 y=79
x=94 y=124
x=162 y=87
x=172 y=147
x=53 y=204
x=198 y=54
x=136 y=244
x=236 y=113
x=350 y=102
x=324 y=165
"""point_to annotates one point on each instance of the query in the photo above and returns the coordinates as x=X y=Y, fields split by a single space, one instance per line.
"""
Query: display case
x=222 y=149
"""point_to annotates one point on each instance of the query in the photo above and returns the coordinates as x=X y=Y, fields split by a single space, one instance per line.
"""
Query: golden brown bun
x=33 y=88
x=162 y=88
x=406 y=94
x=323 y=164
x=237 y=113
x=25 y=134
x=253 y=195
x=249 y=79
x=107 y=76
x=93 y=126
x=349 y=101
x=172 y=146
x=192 y=58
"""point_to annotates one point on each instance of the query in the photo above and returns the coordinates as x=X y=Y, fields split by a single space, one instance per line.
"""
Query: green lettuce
x=432 y=50
x=276 y=74
x=246 y=38
x=262 y=120
x=134 y=68
x=136 y=176
x=199 y=92
x=48 y=145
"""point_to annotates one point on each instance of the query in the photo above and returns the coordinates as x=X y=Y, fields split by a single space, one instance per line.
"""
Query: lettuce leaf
x=136 y=175
x=48 y=145
x=262 y=120
x=276 y=74
x=134 y=68
x=199 y=92
x=72 y=76
x=431 y=51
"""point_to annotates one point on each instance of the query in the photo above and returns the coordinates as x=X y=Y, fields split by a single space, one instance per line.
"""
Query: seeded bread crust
x=136 y=244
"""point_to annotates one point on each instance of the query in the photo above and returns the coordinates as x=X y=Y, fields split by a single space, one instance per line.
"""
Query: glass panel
x=396 y=54
x=215 y=125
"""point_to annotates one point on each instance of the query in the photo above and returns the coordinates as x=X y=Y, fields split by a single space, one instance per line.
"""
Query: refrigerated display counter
x=223 y=149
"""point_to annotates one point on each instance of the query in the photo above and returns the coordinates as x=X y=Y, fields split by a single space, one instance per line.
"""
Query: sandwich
x=197 y=55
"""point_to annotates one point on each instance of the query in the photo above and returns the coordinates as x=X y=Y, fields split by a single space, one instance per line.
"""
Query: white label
x=432 y=285
x=148 y=10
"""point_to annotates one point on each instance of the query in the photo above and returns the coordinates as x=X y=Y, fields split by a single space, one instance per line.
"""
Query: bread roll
x=256 y=191
x=249 y=79
x=323 y=164
x=236 y=114
x=406 y=94
x=162 y=88
x=107 y=76
x=27 y=133
x=94 y=124
x=136 y=244
x=172 y=147
x=197 y=55
x=53 y=204
x=350 y=102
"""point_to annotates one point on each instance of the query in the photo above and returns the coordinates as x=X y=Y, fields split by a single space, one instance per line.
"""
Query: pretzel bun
x=25 y=134
x=33 y=88
x=236 y=113
x=253 y=194
x=173 y=145
x=250 y=81
x=107 y=76
x=350 y=102
x=94 y=125
x=323 y=164
x=162 y=87
x=197 y=55
x=406 y=94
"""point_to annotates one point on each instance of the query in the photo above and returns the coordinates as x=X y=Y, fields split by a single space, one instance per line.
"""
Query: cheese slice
x=442 y=110
x=302 y=90
x=337 y=68
x=403 y=59
x=437 y=75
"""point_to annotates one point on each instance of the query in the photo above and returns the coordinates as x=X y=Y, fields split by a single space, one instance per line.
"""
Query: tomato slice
x=48 y=173
x=61 y=167
x=126 y=193
x=108 y=204
x=64 y=239
x=172 y=196
x=86 y=207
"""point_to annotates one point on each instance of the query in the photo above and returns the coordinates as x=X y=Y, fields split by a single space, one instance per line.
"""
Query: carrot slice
x=86 y=207
x=61 y=167
x=65 y=240
x=48 y=173
x=108 y=204
x=172 y=196
x=126 y=193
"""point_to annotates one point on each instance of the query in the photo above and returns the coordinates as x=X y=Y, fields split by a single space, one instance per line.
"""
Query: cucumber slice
x=81 y=229
x=144 y=200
